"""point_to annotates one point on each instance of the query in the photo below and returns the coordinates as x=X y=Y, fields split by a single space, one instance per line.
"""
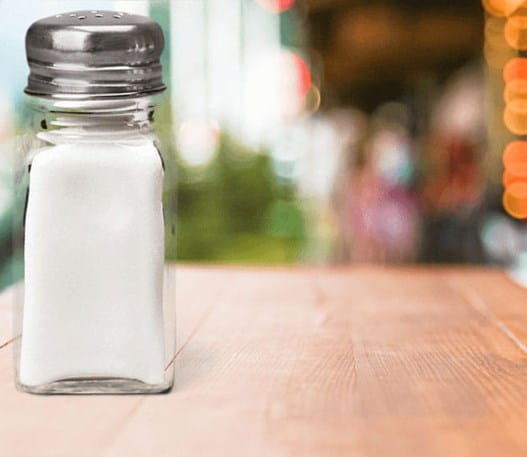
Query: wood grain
x=363 y=361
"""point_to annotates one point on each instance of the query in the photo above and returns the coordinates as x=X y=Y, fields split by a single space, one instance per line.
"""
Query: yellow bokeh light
x=312 y=99
x=515 y=200
x=501 y=7
x=516 y=32
x=515 y=117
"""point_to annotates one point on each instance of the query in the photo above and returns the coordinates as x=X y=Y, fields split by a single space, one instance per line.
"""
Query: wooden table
x=365 y=361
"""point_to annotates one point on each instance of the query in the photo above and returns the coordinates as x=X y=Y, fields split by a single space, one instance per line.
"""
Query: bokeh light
x=515 y=200
x=516 y=32
x=391 y=150
x=515 y=117
x=509 y=177
x=515 y=90
x=515 y=69
x=502 y=238
x=276 y=86
x=197 y=141
x=276 y=6
x=502 y=7
x=515 y=163
x=515 y=153
x=312 y=99
x=303 y=75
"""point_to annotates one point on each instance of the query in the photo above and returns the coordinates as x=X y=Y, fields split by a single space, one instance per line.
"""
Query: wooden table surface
x=365 y=361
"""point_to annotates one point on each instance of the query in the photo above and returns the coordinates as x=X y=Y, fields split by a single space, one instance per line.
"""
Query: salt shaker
x=97 y=315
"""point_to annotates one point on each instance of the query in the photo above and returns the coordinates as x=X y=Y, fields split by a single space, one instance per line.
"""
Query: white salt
x=94 y=263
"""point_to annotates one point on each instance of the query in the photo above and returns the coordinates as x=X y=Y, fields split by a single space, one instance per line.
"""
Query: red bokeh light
x=304 y=75
x=276 y=6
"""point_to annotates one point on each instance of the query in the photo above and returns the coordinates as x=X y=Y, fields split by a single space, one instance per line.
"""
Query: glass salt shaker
x=97 y=312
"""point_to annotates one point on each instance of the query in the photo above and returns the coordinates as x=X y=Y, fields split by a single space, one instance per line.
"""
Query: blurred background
x=318 y=131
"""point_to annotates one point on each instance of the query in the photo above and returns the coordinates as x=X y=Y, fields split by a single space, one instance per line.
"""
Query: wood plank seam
x=8 y=342
x=115 y=432
x=200 y=323
x=479 y=305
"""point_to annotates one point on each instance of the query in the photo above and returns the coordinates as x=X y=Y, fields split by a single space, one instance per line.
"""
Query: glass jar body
x=97 y=312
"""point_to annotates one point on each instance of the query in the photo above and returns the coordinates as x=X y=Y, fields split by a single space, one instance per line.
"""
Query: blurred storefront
x=325 y=131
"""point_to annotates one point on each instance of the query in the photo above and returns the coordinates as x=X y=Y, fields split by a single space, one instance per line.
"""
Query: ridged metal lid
x=94 y=55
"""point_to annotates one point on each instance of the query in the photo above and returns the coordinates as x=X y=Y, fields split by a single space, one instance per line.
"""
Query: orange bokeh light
x=515 y=162
x=515 y=117
x=515 y=200
x=516 y=32
x=510 y=178
x=276 y=6
x=515 y=153
x=501 y=7
x=515 y=69
x=515 y=90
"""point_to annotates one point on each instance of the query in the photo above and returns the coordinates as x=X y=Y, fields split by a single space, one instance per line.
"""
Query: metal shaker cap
x=93 y=55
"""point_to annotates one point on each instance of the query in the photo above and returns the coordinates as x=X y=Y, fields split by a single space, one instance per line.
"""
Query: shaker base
x=85 y=386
